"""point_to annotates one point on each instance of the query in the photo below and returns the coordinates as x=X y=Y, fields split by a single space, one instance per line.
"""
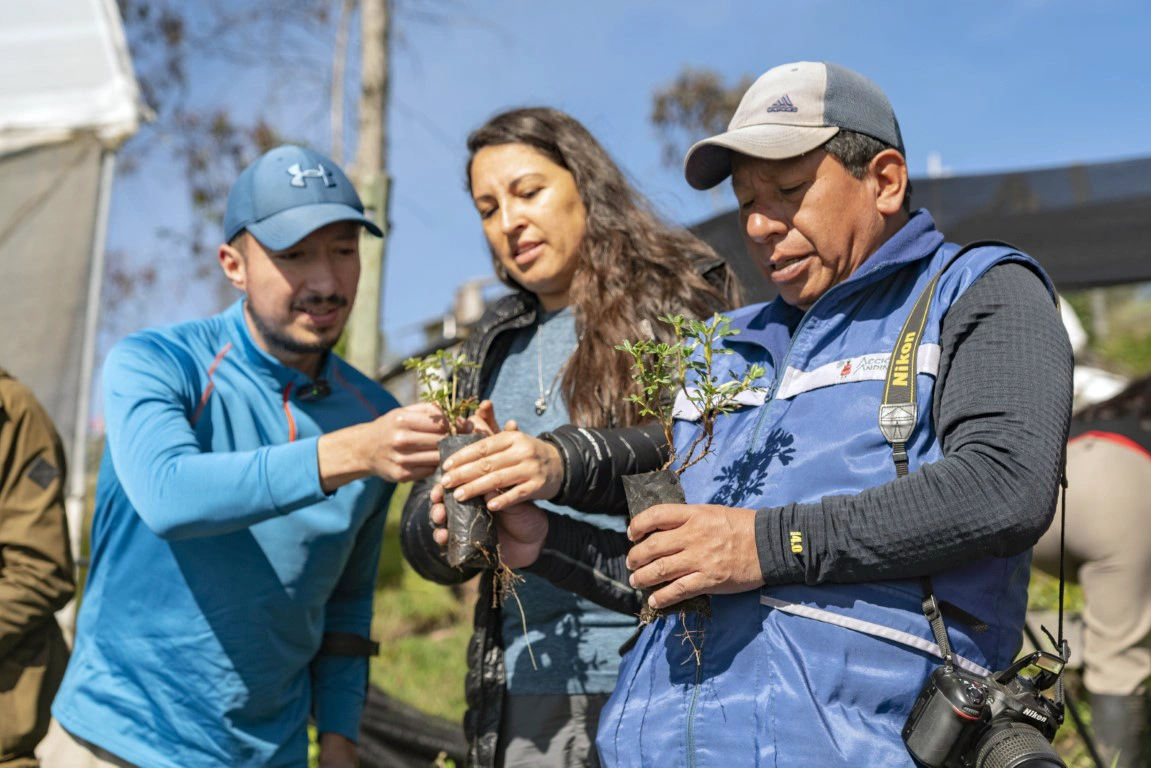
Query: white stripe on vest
x=685 y=409
x=870 y=628
x=871 y=367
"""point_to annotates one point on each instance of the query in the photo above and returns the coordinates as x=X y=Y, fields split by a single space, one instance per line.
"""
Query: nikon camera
x=961 y=720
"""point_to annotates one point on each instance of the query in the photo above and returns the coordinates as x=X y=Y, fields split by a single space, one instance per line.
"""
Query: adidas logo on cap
x=783 y=105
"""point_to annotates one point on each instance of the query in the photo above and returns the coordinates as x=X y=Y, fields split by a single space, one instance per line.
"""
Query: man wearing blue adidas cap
x=910 y=424
x=240 y=504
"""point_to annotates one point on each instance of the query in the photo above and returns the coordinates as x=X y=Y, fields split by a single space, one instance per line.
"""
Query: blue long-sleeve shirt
x=217 y=560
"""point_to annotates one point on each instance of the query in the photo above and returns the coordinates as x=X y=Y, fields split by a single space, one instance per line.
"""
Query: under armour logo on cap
x=280 y=212
x=299 y=175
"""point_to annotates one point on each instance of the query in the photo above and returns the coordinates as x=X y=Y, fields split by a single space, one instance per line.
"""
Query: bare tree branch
x=694 y=105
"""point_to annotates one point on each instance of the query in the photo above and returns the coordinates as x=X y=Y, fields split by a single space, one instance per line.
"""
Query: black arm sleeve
x=595 y=459
x=589 y=561
x=1002 y=406
x=426 y=557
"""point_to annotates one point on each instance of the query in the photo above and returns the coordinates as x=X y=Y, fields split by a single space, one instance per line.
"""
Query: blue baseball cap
x=288 y=193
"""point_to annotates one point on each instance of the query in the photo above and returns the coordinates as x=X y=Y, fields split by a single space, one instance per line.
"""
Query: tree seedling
x=471 y=531
x=438 y=378
x=684 y=367
x=473 y=541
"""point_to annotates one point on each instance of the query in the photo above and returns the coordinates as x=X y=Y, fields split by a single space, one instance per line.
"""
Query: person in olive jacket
x=36 y=571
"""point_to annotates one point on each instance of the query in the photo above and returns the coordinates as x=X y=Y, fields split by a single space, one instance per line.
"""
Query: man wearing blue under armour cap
x=241 y=503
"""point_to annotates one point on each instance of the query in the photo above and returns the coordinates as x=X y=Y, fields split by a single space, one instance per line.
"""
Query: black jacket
x=594 y=460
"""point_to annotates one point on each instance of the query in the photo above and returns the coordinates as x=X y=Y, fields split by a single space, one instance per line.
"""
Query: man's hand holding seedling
x=693 y=549
x=399 y=446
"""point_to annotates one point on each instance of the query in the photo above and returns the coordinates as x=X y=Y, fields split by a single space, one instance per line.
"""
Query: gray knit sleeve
x=1001 y=408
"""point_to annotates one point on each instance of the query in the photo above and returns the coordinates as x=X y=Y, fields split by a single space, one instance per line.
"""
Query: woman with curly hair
x=589 y=264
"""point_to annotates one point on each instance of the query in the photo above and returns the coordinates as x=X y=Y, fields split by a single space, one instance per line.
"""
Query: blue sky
x=987 y=85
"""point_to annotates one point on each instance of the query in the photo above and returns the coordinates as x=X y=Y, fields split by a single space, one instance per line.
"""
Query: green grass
x=1043 y=593
x=1126 y=347
x=423 y=631
x=1128 y=353
x=422 y=628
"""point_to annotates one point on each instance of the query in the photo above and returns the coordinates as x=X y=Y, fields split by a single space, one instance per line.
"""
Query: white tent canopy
x=68 y=99
x=64 y=72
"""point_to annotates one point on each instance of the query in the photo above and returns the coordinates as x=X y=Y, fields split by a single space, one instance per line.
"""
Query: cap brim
x=708 y=162
x=286 y=228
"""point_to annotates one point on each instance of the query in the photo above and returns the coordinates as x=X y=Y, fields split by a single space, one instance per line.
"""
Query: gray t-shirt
x=575 y=642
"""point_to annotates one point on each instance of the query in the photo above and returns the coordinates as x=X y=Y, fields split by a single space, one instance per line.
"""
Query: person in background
x=589 y=265
x=240 y=504
x=36 y=571
x=1108 y=549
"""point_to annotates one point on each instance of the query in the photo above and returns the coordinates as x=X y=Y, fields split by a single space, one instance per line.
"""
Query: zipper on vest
x=691 y=706
x=781 y=370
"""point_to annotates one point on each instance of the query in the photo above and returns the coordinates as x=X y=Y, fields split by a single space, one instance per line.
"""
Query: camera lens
x=1015 y=745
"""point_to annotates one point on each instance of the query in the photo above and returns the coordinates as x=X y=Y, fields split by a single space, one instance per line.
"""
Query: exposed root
x=700 y=604
x=691 y=636
x=694 y=637
x=504 y=581
x=647 y=614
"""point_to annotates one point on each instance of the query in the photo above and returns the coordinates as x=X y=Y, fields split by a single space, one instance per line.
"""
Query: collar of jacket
x=916 y=240
x=276 y=374
x=516 y=310
x=520 y=308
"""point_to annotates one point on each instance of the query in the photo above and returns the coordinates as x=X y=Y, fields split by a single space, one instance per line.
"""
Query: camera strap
x=935 y=619
x=899 y=410
x=1062 y=644
x=898 y=414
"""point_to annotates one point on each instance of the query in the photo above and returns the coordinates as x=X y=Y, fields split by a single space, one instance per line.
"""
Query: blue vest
x=796 y=676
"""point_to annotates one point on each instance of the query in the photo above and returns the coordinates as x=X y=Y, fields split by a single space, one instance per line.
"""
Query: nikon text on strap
x=898 y=413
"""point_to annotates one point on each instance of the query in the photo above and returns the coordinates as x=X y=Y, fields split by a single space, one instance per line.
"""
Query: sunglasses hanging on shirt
x=317 y=390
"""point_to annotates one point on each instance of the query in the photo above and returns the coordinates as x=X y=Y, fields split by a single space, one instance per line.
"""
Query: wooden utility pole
x=371 y=177
x=339 y=67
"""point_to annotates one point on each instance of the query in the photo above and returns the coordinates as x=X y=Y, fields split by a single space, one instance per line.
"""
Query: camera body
x=962 y=720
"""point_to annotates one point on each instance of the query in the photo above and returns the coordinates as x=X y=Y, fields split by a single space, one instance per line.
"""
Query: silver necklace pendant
x=545 y=394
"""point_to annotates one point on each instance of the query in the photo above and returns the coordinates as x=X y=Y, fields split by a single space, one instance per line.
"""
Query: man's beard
x=284 y=343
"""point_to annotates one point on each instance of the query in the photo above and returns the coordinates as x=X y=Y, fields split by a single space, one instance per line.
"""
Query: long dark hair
x=632 y=266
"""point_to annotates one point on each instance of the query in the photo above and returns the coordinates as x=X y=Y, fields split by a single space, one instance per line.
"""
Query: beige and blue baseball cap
x=792 y=109
x=288 y=193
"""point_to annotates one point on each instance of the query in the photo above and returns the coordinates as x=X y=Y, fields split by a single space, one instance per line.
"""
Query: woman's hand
x=508 y=468
x=439 y=515
x=522 y=529
x=483 y=421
